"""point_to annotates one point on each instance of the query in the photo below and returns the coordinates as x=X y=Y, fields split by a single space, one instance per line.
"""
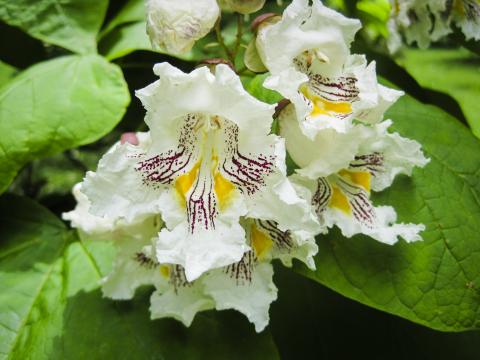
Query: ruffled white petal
x=252 y=298
x=129 y=272
x=81 y=218
x=116 y=189
x=385 y=229
x=177 y=94
x=400 y=155
x=202 y=250
x=181 y=304
x=302 y=247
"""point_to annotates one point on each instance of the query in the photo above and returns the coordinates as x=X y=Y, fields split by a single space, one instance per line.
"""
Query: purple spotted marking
x=247 y=172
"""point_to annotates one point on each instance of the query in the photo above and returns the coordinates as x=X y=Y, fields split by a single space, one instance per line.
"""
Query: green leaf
x=330 y=326
x=51 y=307
x=435 y=282
x=71 y=24
x=57 y=105
x=124 y=40
x=255 y=87
x=133 y=11
x=7 y=72
x=453 y=71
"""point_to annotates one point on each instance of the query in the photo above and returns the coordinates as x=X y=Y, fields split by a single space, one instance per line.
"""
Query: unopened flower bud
x=174 y=26
x=245 y=6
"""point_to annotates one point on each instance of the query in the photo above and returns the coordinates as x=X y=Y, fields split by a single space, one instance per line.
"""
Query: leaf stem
x=220 y=40
x=238 y=42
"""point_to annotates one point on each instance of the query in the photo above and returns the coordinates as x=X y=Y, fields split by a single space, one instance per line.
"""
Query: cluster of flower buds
x=201 y=204
x=428 y=21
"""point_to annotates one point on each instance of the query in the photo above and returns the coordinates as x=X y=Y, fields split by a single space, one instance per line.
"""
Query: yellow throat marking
x=325 y=107
x=261 y=242
x=224 y=189
x=339 y=200
x=359 y=178
x=185 y=182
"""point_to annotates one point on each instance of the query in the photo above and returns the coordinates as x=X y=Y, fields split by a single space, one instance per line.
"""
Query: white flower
x=175 y=25
x=424 y=22
x=307 y=53
x=341 y=169
x=129 y=239
x=246 y=286
x=211 y=161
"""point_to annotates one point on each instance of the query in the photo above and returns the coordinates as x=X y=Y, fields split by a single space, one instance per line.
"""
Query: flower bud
x=174 y=26
x=245 y=6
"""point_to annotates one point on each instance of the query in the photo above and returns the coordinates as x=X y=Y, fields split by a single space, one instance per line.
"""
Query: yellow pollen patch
x=261 y=242
x=325 y=107
x=361 y=178
x=165 y=270
x=339 y=200
x=185 y=182
x=223 y=190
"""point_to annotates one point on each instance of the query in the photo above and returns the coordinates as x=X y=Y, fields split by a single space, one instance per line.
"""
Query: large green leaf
x=7 y=72
x=56 y=105
x=330 y=326
x=133 y=11
x=452 y=71
x=51 y=307
x=72 y=24
x=435 y=282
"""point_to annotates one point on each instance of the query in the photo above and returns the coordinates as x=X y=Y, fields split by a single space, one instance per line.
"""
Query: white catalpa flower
x=211 y=161
x=175 y=25
x=245 y=286
x=128 y=239
x=307 y=53
x=423 y=22
x=364 y=159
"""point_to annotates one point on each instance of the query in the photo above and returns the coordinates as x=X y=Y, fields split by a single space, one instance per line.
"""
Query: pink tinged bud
x=129 y=137
x=267 y=18
x=282 y=104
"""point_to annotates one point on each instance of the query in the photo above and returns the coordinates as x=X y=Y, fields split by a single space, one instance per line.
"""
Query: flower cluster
x=427 y=21
x=201 y=204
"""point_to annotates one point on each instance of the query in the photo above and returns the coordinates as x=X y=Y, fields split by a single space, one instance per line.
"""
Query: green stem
x=220 y=40
x=238 y=42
